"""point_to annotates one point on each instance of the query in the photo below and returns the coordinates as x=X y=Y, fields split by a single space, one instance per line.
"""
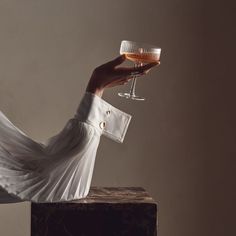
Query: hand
x=109 y=75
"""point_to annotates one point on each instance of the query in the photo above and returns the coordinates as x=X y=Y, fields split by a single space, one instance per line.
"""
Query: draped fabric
x=61 y=168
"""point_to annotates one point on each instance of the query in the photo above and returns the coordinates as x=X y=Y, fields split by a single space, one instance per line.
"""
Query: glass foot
x=134 y=97
x=124 y=95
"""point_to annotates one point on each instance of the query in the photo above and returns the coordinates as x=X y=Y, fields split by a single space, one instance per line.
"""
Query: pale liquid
x=143 y=57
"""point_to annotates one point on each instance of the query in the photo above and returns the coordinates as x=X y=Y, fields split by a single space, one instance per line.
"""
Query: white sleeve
x=111 y=121
x=61 y=168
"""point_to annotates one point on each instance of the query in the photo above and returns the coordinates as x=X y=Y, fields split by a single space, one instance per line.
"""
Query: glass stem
x=133 y=85
x=132 y=88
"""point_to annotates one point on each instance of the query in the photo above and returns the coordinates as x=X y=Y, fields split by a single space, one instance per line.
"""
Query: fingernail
x=141 y=74
x=135 y=73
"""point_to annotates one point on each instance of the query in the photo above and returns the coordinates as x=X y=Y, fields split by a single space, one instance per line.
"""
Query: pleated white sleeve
x=61 y=168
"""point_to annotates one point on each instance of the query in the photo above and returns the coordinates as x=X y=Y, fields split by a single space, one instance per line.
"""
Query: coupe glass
x=140 y=54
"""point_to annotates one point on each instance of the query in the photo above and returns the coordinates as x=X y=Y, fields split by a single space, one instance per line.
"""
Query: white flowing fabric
x=61 y=168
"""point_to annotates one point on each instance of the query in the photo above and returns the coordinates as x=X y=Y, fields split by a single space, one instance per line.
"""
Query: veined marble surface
x=116 y=195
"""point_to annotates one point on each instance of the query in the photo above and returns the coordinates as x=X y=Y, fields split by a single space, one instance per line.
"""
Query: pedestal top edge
x=113 y=195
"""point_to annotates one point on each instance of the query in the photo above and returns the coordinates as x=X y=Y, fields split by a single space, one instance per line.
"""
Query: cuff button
x=102 y=124
x=108 y=112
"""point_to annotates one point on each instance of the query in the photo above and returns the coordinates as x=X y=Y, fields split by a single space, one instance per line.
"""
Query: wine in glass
x=140 y=54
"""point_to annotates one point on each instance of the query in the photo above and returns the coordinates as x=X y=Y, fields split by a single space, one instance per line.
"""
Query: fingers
x=143 y=69
x=138 y=71
x=146 y=67
x=117 y=61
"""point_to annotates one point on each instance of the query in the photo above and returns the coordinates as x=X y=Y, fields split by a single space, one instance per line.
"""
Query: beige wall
x=180 y=140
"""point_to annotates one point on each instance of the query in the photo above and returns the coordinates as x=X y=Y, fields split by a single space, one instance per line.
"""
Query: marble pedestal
x=123 y=211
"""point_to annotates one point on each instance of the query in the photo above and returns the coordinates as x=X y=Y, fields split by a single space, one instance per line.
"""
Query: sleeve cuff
x=112 y=122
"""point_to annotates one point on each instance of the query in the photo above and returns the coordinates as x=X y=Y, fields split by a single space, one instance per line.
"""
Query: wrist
x=95 y=90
